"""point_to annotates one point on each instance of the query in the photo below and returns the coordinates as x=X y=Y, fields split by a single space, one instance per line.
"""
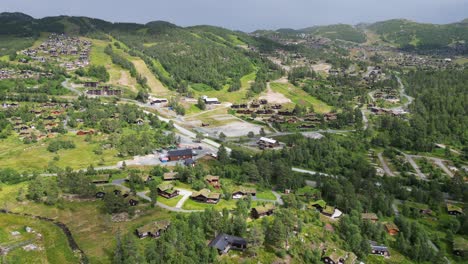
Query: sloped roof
x=369 y=216
x=261 y=209
x=207 y=194
x=170 y=175
x=222 y=241
x=452 y=207
x=460 y=244
x=154 y=227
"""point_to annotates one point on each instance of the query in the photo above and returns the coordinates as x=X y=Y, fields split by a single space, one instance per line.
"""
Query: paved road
x=279 y=200
x=384 y=165
x=312 y=172
x=415 y=166
x=68 y=86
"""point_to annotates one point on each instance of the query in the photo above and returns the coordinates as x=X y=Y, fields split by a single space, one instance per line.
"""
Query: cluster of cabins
x=72 y=52
x=48 y=117
x=274 y=113
x=23 y=74
x=101 y=90
x=388 y=94
x=382 y=111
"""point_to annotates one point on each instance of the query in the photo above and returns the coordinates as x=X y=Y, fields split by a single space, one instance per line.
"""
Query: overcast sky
x=247 y=15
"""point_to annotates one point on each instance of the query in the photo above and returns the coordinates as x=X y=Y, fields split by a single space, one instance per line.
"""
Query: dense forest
x=438 y=112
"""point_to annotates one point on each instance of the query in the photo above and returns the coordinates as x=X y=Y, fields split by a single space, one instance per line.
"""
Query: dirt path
x=274 y=97
x=384 y=165
x=125 y=80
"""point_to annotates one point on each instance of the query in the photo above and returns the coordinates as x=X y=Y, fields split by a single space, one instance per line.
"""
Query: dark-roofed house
x=154 y=229
x=392 y=229
x=264 y=210
x=167 y=190
x=179 y=154
x=454 y=210
x=170 y=176
x=377 y=249
x=206 y=196
x=241 y=192
x=223 y=243
x=91 y=84
x=370 y=217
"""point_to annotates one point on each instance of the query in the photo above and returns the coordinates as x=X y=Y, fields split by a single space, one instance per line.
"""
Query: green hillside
x=411 y=35
x=339 y=31
x=179 y=56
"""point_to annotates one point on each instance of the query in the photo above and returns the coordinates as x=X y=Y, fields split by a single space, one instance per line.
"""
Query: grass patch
x=267 y=195
x=17 y=155
x=170 y=202
x=54 y=241
x=299 y=96
x=194 y=205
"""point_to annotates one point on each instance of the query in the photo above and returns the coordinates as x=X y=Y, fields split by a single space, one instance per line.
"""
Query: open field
x=17 y=155
x=299 y=96
x=93 y=230
x=235 y=129
x=156 y=87
x=223 y=95
x=53 y=244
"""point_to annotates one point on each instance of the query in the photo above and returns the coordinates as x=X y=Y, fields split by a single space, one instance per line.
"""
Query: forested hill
x=179 y=56
x=411 y=35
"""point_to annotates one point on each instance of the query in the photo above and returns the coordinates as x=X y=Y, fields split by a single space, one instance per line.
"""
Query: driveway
x=384 y=165
x=186 y=195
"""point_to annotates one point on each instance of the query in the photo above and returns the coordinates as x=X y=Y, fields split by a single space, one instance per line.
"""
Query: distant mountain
x=338 y=31
x=412 y=35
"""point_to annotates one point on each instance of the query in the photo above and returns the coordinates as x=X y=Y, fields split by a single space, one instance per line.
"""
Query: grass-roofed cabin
x=392 y=229
x=206 y=196
x=338 y=256
x=308 y=192
x=101 y=179
x=170 y=176
x=320 y=204
x=454 y=210
x=213 y=181
x=419 y=207
x=167 y=190
x=460 y=247
x=262 y=210
x=328 y=211
x=154 y=229
x=370 y=217
x=241 y=192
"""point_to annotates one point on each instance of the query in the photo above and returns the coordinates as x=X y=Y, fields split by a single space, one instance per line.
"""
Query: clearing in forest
x=156 y=87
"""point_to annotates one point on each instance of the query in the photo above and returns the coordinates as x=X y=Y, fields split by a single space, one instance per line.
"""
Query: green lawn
x=54 y=241
x=299 y=96
x=268 y=195
x=169 y=202
x=17 y=155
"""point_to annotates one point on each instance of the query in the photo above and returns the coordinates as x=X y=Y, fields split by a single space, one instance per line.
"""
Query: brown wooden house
x=206 y=196
x=261 y=211
x=153 y=230
x=167 y=191
x=392 y=229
